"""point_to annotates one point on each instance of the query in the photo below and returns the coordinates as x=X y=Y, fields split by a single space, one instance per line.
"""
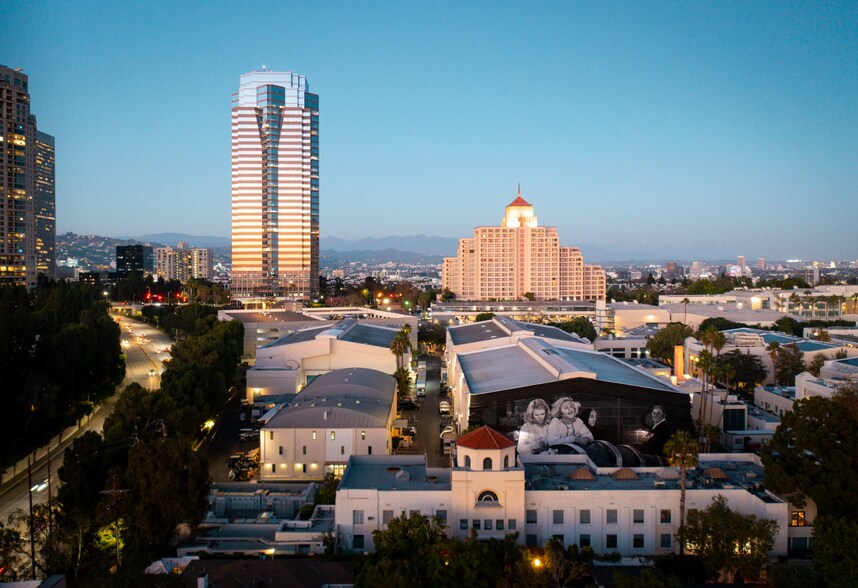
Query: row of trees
x=59 y=354
x=124 y=493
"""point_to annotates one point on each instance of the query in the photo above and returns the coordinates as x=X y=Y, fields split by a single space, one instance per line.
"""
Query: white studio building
x=339 y=414
x=634 y=511
x=283 y=367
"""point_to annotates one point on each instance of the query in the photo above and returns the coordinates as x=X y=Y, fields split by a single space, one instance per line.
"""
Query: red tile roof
x=484 y=438
x=519 y=201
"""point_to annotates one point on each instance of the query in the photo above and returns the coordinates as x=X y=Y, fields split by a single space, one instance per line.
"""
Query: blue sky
x=694 y=129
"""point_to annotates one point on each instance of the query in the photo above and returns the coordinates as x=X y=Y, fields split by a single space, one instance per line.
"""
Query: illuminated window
x=332 y=436
x=797 y=519
x=488 y=496
x=363 y=435
x=314 y=435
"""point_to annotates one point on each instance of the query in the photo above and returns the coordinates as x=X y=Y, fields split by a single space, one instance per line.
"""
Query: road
x=427 y=418
x=144 y=347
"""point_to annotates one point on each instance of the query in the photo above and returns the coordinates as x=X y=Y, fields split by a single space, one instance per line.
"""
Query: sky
x=691 y=129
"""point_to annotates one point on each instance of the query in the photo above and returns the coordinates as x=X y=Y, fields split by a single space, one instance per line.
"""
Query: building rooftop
x=484 y=438
x=348 y=329
x=502 y=326
x=393 y=472
x=516 y=366
x=346 y=398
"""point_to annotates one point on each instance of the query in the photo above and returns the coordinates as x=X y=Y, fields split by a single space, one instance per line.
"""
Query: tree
x=447 y=295
x=681 y=451
x=402 y=376
x=529 y=296
x=559 y=567
x=835 y=543
x=649 y=578
x=729 y=542
x=748 y=370
x=327 y=493
x=13 y=552
x=484 y=316
x=789 y=364
x=580 y=325
x=400 y=345
x=402 y=552
x=685 y=301
x=719 y=323
x=812 y=454
x=815 y=365
x=662 y=344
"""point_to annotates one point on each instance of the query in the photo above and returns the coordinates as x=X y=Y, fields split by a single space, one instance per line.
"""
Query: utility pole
x=50 y=495
x=114 y=492
x=32 y=530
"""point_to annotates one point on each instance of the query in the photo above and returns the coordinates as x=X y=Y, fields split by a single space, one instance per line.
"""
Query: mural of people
x=566 y=427
x=659 y=432
x=589 y=417
x=533 y=433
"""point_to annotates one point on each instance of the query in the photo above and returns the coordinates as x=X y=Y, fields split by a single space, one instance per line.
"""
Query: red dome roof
x=519 y=201
x=484 y=438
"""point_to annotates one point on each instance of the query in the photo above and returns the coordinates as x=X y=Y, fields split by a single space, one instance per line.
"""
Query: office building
x=761 y=263
x=275 y=187
x=134 y=259
x=741 y=263
x=183 y=263
x=26 y=186
x=520 y=259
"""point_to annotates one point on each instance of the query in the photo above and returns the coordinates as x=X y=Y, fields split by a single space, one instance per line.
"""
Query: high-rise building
x=761 y=263
x=275 y=187
x=520 y=258
x=696 y=269
x=134 y=259
x=19 y=191
x=741 y=263
x=45 y=206
x=183 y=262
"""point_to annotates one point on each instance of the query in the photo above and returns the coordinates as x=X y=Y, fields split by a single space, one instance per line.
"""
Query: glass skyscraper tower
x=275 y=187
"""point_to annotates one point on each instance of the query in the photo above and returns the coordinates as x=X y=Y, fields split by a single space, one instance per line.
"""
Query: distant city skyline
x=672 y=129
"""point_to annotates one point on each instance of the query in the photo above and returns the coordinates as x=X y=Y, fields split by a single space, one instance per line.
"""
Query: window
x=557 y=517
x=273 y=468
x=797 y=519
x=511 y=524
x=463 y=524
x=332 y=436
x=314 y=435
x=487 y=463
x=369 y=450
x=487 y=524
x=612 y=516
x=499 y=524
x=271 y=435
x=665 y=517
x=637 y=541
x=505 y=461
x=442 y=514
x=281 y=450
x=475 y=524
x=666 y=541
x=638 y=516
x=488 y=496
x=467 y=461
x=531 y=517
x=611 y=541
x=342 y=449
x=304 y=468
x=358 y=541
x=357 y=517
x=363 y=435
x=585 y=540
x=386 y=516
x=584 y=517
x=304 y=450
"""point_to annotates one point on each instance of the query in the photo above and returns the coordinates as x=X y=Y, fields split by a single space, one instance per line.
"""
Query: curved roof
x=716 y=474
x=667 y=474
x=582 y=474
x=624 y=474
x=519 y=201
x=484 y=438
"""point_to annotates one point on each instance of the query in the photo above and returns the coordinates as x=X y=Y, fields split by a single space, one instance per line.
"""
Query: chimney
x=203 y=580
x=679 y=364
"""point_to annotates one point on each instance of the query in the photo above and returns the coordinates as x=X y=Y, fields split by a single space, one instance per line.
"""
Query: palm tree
x=402 y=376
x=773 y=349
x=718 y=340
x=685 y=301
x=681 y=451
x=400 y=345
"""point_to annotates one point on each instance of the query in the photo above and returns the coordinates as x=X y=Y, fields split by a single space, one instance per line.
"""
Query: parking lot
x=427 y=419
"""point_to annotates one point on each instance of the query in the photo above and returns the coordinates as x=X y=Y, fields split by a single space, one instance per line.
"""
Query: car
x=443 y=407
x=447 y=433
x=151 y=372
x=407 y=405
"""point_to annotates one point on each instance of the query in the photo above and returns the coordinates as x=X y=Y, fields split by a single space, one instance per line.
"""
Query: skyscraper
x=44 y=210
x=275 y=187
x=134 y=259
x=518 y=259
x=21 y=193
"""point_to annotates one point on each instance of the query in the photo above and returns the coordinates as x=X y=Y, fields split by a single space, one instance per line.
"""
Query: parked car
x=407 y=405
x=447 y=433
x=444 y=407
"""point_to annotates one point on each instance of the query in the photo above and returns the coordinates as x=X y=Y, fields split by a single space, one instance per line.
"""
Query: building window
x=637 y=541
x=531 y=517
x=314 y=435
x=280 y=451
x=584 y=541
x=333 y=436
x=357 y=517
x=612 y=516
x=487 y=463
x=304 y=450
x=442 y=516
x=304 y=468
x=487 y=524
x=505 y=461
x=463 y=524
x=273 y=468
x=467 y=461
x=271 y=435
x=611 y=541
x=363 y=435
x=358 y=542
x=665 y=517
x=797 y=519
x=511 y=524
x=342 y=449
x=638 y=516
x=369 y=450
x=475 y=524
x=499 y=524
x=386 y=516
x=557 y=517
x=584 y=517
x=666 y=541
x=488 y=496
